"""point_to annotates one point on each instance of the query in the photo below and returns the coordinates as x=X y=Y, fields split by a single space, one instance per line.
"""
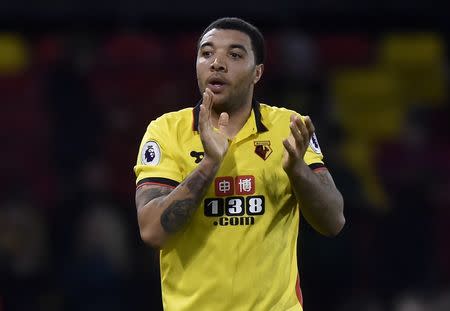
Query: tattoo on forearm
x=197 y=183
x=154 y=193
x=180 y=211
x=177 y=214
x=145 y=196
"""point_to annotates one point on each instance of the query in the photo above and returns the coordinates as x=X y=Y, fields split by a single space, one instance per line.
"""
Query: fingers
x=296 y=134
x=300 y=124
x=301 y=133
x=302 y=130
x=289 y=148
x=309 y=126
x=208 y=99
x=223 y=122
x=298 y=131
x=205 y=110
x=203 y=119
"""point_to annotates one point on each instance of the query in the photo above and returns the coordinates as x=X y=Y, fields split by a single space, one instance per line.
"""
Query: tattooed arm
x=163 y=211
x=321 y=202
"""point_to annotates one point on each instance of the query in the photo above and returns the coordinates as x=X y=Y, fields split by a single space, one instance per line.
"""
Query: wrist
x=209 y=164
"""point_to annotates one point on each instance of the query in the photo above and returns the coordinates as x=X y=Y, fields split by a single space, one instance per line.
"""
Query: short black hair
x=235 y=23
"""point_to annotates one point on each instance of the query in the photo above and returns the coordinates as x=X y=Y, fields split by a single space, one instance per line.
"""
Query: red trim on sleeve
x=154 y=183
x=323 y=168
x=298 y=291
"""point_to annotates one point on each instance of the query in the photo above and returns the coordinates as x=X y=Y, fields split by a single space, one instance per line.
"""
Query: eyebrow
x=206 y=44
x=238 y=46
x=232 y=46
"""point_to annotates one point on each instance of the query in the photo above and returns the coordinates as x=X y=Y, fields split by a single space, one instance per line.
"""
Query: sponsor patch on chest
x=239 y=185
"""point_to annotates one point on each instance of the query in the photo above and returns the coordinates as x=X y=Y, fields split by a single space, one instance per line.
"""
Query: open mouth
x=216 y=85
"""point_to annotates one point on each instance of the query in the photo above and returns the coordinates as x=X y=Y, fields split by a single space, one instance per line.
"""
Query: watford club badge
x=262 y=148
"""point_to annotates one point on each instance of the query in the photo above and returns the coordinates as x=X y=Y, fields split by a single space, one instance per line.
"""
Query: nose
x=218 y=65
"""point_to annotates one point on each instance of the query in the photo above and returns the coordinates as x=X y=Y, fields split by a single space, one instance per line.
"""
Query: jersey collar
x=256 y=110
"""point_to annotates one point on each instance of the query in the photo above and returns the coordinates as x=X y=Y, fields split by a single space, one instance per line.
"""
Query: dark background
x=80 y=81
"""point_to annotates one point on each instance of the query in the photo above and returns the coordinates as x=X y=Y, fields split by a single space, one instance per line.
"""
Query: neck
x=237 y=117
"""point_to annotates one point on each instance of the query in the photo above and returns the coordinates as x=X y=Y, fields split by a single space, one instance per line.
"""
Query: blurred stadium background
x=80 y=80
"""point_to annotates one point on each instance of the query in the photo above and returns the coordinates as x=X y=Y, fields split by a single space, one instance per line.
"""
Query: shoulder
x=175 y=119
x=179 y=115
x=274 y=113
x=274 y=109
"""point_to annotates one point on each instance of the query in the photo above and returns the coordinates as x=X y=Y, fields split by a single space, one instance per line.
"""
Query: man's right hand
x=215 y=141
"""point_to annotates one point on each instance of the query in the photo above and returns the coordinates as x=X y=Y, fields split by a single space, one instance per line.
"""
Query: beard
x=232 y=98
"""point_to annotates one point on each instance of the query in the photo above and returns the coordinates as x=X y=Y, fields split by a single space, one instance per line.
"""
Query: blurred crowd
x=73 y=108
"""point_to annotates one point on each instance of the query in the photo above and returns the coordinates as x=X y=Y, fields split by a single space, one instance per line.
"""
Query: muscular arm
x=321 y=203
x=162 y=211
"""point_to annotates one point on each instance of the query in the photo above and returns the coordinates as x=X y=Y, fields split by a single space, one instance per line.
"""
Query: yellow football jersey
x=239 y=250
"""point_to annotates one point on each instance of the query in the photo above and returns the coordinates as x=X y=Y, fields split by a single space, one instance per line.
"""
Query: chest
x=251 y=166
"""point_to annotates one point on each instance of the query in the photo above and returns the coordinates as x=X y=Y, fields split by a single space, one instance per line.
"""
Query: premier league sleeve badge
x=151 y=153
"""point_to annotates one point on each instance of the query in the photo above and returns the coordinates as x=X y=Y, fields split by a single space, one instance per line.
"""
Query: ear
x=259 y=69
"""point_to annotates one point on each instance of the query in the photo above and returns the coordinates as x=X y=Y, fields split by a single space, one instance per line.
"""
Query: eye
x=206 y=54
x=235 y=55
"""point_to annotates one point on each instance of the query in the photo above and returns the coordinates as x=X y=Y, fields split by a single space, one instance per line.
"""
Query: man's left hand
x=296 y=144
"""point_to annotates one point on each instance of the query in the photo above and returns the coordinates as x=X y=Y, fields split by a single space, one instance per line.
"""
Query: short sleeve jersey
x=239 y=250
